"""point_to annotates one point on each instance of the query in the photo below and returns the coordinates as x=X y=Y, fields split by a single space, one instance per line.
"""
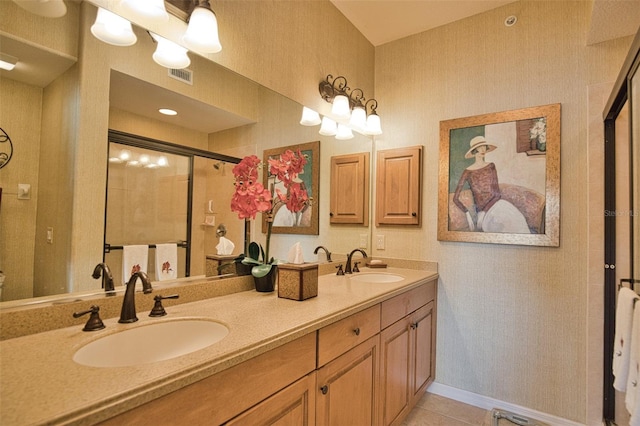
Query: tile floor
x=435 y=410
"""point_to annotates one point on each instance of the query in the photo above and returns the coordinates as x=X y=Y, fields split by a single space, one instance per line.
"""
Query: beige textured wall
x=20 y=119
x=511 y=319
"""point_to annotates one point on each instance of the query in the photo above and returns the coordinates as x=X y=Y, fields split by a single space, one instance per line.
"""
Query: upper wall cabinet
x=398 y=186
x=350 y=189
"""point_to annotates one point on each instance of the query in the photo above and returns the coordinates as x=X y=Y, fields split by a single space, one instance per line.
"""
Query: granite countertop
x=40 y=383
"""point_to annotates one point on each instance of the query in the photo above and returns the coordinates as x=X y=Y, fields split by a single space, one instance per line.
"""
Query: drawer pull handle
x=324 y=389
x=414 y=325
x=357 y=331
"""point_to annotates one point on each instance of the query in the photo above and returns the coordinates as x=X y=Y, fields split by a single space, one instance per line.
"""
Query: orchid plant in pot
x=251 y=197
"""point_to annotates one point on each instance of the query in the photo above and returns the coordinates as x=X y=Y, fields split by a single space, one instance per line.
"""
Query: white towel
x=166 y=262
x=134 y=258
x=622 y=337
x=633 y=381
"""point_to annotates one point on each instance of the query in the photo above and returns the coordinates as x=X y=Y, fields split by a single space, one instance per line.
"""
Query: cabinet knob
x=414 y=214
x=414 y=325
x=324 y=389
x=357 y=331
x=331 y=214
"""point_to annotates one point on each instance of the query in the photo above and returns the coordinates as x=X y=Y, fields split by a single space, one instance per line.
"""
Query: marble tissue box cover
x=298 y=282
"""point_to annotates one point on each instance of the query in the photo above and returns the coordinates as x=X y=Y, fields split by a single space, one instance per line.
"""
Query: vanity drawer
x=337 y=338
x=405 y=303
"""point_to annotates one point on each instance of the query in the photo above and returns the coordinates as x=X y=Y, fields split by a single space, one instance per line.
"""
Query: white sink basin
x=151 y=343
x=376 y=278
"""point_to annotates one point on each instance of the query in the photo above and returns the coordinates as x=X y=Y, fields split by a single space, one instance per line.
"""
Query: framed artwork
x=307 y=220
x=499 y=178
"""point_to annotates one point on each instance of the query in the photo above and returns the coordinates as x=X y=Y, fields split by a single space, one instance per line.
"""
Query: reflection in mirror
x=162 y=193
x=59 y=125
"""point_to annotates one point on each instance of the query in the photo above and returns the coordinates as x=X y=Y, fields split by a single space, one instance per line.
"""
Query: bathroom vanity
x=362 y=351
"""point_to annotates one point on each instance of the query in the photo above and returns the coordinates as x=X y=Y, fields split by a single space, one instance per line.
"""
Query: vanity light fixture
x=202 y=31
x=46 y=8
x=113 y=29
x=350 y=111
x=169 y=54
x=7 y=62
x=151 y=9
x=309 y=117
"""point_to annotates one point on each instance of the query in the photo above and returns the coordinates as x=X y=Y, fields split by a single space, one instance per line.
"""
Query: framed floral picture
x=499 y=178
x=304 y=191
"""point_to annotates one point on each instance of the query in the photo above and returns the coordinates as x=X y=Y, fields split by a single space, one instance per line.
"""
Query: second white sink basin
x=151 y=343
x=376 y=277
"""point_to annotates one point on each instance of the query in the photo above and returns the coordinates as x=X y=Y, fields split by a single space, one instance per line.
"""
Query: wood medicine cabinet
x=350 y=189
x=399 y=186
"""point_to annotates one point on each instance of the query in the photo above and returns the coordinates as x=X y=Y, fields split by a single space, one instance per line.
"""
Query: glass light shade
x=202 y=32
x=46 y=8
x=309 y=117
x=169 y=54
x=151 y=9
x=358 y=119
x=340 y=107
x=373 y=124
x=113 y=29
x=328 y=127
x=344 y=132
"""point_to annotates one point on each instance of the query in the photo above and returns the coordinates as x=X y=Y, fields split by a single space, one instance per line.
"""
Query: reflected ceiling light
x=328 y=127
x=309 y=117
x=125 y=154
x=151 y=9
x=167 y=111
x=202 y=31
x=46 y=8
x=7 y=62
x=162 y=161
x=344 y=132
x=113 y=29
x=170 y=54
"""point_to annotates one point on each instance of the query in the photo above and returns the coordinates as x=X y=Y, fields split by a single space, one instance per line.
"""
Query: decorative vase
x=542 y=146
x=242 y=269
x=267 y=283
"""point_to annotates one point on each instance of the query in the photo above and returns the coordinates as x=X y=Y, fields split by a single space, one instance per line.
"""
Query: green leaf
x=254 y=250
x=261 y=270
x=250 y=261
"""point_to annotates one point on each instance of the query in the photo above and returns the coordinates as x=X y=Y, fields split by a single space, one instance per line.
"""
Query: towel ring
x=221 y=231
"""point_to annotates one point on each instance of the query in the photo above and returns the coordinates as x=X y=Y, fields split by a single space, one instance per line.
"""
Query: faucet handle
x=340 y=271
x=355 y=267
x=94 y=322
x=158 y=309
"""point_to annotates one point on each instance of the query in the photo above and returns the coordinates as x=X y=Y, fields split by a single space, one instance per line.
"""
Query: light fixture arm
x=332 y=87
x=371 y=106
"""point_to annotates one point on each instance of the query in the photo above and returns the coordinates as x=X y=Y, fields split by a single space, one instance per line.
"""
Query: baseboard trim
x=487 y=403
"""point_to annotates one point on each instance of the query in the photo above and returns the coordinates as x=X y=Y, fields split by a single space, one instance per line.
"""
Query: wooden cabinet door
x=395 y=377
x=423 y=351
x=292 y=406
x=347 y=388
x=399 y=186
x=350 y=189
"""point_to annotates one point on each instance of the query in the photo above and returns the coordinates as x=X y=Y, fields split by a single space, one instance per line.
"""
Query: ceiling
x=383 y=21
x=380 y=21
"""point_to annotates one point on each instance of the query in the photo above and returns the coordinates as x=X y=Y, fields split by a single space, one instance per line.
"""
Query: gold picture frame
x=307 y=221
x=499 y=178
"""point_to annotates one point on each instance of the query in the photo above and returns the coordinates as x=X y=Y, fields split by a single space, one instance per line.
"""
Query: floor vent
x=184 y=75
x=504 y=418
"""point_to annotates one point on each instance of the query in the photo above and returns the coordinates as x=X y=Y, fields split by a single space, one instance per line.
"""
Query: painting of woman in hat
x=493 y=213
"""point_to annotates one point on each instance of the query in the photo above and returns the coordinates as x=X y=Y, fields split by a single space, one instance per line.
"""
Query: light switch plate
x=380 y=242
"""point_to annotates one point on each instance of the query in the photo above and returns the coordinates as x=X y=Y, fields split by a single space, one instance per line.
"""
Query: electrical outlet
x=364 y=241
x=380 y=242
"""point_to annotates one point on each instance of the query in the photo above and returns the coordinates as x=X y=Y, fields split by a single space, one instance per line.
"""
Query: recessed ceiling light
x=7 y=62
x=510 y=21
x=167 y=111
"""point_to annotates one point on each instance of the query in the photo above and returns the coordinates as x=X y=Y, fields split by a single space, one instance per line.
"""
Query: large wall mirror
x=60 y=124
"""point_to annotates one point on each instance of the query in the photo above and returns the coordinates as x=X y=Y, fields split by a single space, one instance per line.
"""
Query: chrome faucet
x=128 y=312
x=347 y=268
x=325 y=250
x=107 y=278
